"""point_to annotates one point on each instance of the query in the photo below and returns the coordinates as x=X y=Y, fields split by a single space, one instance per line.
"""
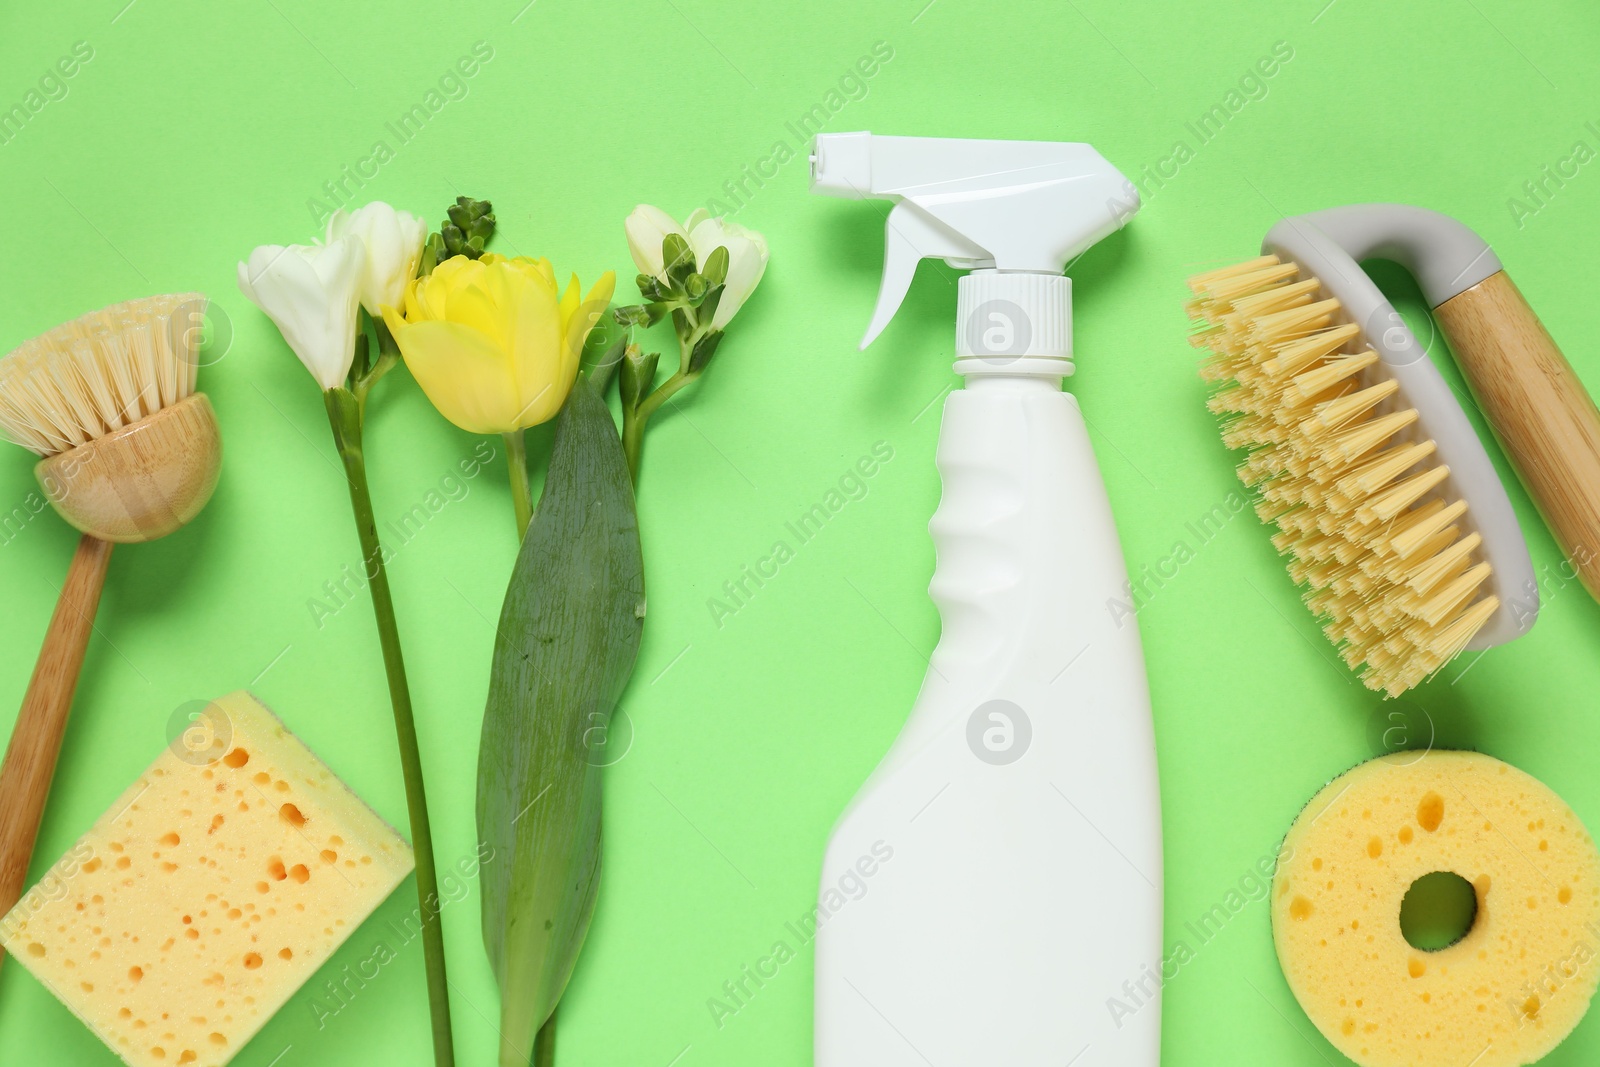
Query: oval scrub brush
x=1386 y=505
x=130 y=453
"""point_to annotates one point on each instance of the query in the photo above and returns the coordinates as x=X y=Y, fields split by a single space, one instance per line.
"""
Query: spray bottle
x=992 y=895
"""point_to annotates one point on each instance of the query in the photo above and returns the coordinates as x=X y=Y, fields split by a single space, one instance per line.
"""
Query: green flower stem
x=517 y=463
x=632 y=438
x=633 y=422
x=345 y=416
x=388 y=356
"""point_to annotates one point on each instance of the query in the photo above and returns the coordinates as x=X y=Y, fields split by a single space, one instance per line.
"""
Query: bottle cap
x=1002 y=316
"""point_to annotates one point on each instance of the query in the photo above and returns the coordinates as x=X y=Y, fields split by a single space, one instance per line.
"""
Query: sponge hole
x=1438 y=910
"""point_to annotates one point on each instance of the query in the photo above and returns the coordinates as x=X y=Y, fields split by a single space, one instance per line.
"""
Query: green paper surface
x=197 y=131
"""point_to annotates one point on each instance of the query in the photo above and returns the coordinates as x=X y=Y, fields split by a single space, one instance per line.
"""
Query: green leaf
x=704 y=349
x=632 y=315
x=716 y=267
x=638 y=375
x=602 y=351
x=650 y=287
x=677 y=258
x=569 y=633
x=707 y=311
x=432 y=253
x=642 y=314
x=681 y=324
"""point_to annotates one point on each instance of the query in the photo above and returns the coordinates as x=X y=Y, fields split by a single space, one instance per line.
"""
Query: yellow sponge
x=1519 y=980
x=208 y=893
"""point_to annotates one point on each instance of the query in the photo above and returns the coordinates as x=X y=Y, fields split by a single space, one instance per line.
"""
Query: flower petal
x=570 y=299
x=395 y=320
x=534 y=330
x=310 y=293
x=479 y=305
x=575 y=328
x=747 y=261
x=646 y=227
x=413 y=307
x=464 y=374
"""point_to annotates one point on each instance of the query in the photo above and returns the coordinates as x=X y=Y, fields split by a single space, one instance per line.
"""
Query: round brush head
x=131 y=451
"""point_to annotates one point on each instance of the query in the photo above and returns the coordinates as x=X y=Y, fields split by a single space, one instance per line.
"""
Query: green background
x=199 y=130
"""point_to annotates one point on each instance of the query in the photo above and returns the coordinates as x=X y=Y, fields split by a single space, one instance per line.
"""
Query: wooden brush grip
x=30 y=760
x=1544 y=418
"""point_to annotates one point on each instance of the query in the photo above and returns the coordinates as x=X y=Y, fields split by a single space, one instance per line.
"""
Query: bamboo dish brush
x=130 y=452
x=1384 y=499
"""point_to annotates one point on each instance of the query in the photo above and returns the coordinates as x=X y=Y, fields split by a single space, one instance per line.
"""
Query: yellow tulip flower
x=493 y=343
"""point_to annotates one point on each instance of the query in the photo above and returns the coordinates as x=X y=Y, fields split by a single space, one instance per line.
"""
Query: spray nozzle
x=1018 y=206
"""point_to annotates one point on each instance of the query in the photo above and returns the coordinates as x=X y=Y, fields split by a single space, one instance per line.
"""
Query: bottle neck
x=981 y=373
x=1014 y=325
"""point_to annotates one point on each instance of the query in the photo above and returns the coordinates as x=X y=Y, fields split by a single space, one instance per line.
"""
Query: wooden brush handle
x=1544 y=418
x=36 y=740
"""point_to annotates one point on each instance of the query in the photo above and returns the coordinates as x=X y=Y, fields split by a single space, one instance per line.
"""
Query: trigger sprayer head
x=841 y=165
x=1011 y=207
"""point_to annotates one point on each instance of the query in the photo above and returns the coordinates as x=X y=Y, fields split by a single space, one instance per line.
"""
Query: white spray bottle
x=992 y=895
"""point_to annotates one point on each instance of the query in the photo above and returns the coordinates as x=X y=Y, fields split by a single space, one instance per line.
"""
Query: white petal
x=393 y=241
x=338 y=225
x=747 y=261
x=647 y=227
x=310 y=293
x=696 y=217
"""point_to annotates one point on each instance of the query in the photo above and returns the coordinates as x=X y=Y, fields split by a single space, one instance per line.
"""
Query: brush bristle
x=100 y=372
x=1341 y=468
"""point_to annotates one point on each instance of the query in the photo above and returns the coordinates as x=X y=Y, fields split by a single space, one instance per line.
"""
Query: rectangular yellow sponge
x=211 y=890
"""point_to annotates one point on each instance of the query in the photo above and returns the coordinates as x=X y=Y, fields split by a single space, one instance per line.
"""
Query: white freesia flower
x=311 y=293
x=747 y=258
x=393 y=241
x=747 y=251
x=647 y=227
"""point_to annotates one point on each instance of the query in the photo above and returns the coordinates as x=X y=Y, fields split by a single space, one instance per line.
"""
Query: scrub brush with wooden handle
x=1384 y=499
x=130 y=453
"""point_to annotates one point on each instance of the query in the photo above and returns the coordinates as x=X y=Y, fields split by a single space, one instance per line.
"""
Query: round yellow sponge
x=1520 y=979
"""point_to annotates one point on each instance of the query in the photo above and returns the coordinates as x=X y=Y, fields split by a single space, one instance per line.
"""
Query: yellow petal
x=393 y=319
x=603 y=290
x=476 y=304
x=577 y=327
x=425 y=297
x=543 y=405
x=532 y=269
x=451 y=270
x=438 y=290
x=414 y=310
x=569 y=302
x=464 y=374
x=535 y=332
